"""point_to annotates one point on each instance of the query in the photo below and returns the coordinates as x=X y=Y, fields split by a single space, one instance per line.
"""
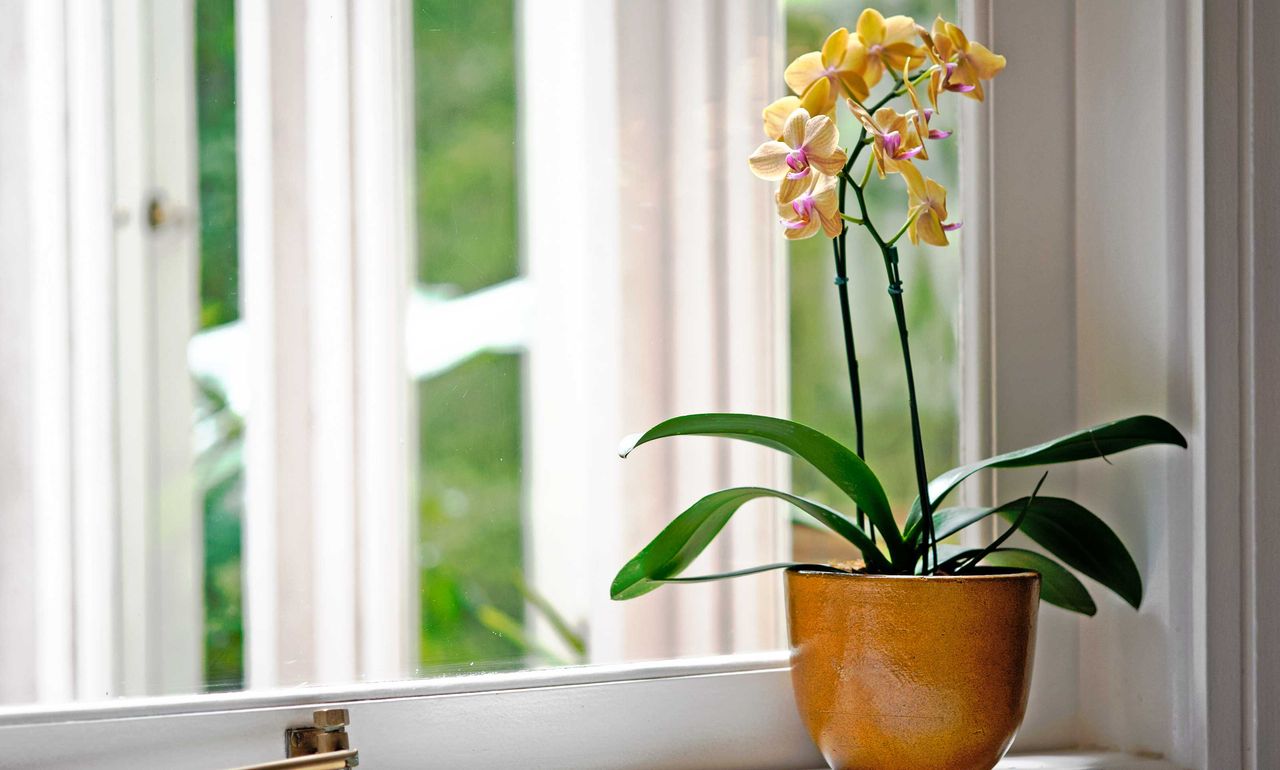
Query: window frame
x=736 y=711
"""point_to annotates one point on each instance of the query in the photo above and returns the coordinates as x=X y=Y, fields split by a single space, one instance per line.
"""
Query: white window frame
x=737 y=711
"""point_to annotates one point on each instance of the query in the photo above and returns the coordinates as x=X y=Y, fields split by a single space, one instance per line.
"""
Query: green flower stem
x=890 y=256
x=850 y=350
x=902 y=229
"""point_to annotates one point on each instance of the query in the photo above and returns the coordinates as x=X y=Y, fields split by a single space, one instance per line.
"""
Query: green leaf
x=676 y=546
x=831 y=458
x=1099 y=441
x=948 y=521
x=1057 y=585
x=1074 y=534
x=1017 y=523
x=1069 y=531
x=749 y=571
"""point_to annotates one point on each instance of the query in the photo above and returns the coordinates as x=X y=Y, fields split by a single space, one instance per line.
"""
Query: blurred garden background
x=470 y=417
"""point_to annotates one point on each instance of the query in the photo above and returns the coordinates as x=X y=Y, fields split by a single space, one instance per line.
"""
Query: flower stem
x=890 y=255
x=850 y=350
x=902 y=229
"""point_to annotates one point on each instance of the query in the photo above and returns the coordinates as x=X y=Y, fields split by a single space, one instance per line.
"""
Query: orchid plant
x=803 y=154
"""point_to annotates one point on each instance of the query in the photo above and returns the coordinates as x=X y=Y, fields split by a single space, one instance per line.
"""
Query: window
x=288 y=402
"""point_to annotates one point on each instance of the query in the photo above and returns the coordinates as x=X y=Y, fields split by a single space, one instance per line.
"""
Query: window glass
x=220 y=428
x=494 y=375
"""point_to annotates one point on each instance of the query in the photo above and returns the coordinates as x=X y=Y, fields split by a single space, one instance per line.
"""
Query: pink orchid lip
x=892 y=141
x=905 y=154
x=797 y=159
x=960 y=88
x=938 y=133
x=952 y=227
x=792 y=224
x=798 y=174
x=803 y=206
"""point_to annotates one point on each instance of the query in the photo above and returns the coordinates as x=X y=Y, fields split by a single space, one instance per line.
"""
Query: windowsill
x=1082 y=760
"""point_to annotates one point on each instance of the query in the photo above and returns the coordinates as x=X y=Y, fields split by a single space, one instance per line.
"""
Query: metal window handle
x=323 y=746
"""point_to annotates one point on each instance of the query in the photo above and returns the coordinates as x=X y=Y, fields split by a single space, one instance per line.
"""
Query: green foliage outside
x=220 y=468
x=470 y=417
x=469 y=513
x=819 y=377
x=465 y=95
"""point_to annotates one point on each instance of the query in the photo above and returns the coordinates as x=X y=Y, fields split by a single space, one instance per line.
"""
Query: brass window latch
x=324 y=745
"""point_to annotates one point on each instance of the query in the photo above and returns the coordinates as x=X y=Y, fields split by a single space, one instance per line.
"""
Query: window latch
x=324 y=745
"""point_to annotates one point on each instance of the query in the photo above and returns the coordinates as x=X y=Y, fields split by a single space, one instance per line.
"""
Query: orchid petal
x=957 y=36
x=793 y=129
x=802 y=72
x=820 y=135
x=769 y=161
x=929 y=230
x=790 y=189
x=831 y=164
x=871 y=27
x=916 y=190
x=818 y=99
x=776 y=114
x=853 y=83
x=986 y=63
x=834 y=49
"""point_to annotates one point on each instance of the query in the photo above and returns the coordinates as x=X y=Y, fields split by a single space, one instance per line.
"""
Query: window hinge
x=324 y=745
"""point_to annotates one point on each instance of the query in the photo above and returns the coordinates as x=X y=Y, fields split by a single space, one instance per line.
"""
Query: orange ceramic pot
x=912 y=673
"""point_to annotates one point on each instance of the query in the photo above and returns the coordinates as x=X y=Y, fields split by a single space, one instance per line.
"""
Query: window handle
x=324 y=745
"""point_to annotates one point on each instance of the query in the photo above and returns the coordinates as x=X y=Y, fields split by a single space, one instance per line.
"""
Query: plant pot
x=912 y=673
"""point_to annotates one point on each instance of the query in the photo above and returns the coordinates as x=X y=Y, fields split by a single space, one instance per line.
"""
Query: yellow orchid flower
x=962 y=64
x=895 y=139
x=881 y=44
x=833 y=64
x=926 y=208
x=808 y=143
x=817 y=207
x=921 y=115
x=776 y=114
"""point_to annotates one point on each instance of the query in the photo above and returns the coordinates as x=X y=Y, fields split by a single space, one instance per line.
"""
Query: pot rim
x=991 y=574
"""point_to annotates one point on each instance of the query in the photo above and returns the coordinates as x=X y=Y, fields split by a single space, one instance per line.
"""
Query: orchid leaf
x=831 y=458
x=1072 y=533
x=688 y=535
x=1099 y=441
x=1057 y=585
x=1067 y=530
x=749 y=571
x=1017 y=522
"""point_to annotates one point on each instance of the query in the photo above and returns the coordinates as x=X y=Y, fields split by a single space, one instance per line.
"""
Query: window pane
x=391 y=285
x=465 y=102
x=220 y=429
x=470 y=553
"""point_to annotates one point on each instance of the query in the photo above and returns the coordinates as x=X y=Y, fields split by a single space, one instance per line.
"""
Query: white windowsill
x=1082 y=760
